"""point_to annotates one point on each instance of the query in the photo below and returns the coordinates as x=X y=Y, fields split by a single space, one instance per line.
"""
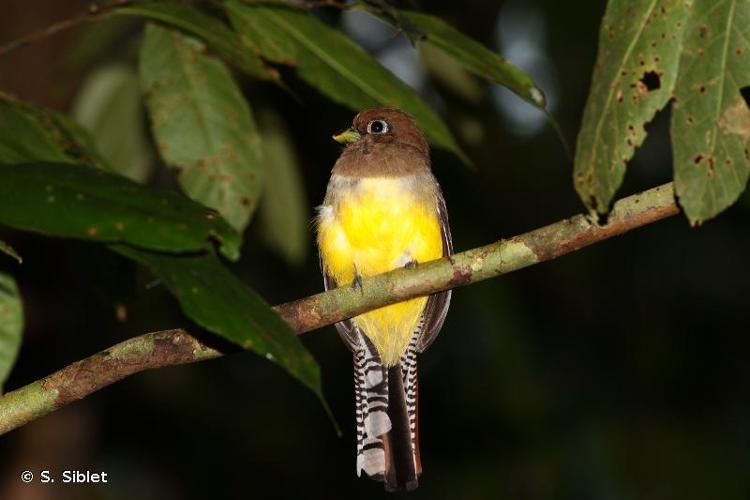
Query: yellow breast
x=372 y=226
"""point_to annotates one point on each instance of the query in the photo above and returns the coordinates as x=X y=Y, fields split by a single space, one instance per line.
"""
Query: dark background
x=617 y=372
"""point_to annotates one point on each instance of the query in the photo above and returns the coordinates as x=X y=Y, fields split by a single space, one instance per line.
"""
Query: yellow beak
x=348 y=136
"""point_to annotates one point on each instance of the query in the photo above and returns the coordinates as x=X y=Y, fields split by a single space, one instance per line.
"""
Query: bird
x=383 y=210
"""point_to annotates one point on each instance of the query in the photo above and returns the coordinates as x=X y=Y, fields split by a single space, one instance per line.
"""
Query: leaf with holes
x=11 y=325
x=110 y=107
x=710 y=118
x=202 y=124
x=75 y=201
x=213 y=32
x=332 y=63
x=639 y=50
x=220 y=302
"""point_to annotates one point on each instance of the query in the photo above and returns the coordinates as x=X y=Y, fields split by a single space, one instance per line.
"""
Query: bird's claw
x=357 y=283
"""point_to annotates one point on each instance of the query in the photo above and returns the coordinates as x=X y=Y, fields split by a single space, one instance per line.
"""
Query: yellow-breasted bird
x=383 y=210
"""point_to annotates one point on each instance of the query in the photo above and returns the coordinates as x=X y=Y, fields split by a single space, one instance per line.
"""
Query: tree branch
x=152 y=350
x=479 y=264
x=174 y=347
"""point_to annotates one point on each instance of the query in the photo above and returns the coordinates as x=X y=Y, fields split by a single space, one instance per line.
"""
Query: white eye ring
x=377 y=127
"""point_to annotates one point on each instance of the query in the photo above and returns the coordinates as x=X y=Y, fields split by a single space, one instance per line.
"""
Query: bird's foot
x=357 y=283
x=411 y=264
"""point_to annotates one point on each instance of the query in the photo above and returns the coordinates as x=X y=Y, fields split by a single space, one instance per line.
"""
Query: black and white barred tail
x=386 y=398
x=386 y=413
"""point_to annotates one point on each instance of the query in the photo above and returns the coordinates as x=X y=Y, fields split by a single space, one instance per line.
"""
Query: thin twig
x=326 y=3
x=95 y=12
x=174 y=347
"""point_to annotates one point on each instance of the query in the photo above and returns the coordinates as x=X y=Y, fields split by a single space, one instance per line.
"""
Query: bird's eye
x=377 y=127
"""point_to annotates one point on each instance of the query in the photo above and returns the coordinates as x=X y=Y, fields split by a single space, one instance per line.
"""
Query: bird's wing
x=436 y=308
x=347 y=330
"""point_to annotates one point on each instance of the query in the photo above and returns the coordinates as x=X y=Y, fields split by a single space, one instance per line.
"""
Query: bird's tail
x=387 y=427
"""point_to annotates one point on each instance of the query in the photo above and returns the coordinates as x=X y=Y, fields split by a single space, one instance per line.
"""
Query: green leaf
x=84 y=149
x=75 y=201
x=710 y=118
x=451 y=73
x=109 y=106
x=332 y=63
x=29 y=133
x=10 y=251
x=283 y=211
x=217 y=300
x=95 y=42
x=474 y=56
x=217 y=35
x=11 y=325
x=202 y=124
x=635 y=72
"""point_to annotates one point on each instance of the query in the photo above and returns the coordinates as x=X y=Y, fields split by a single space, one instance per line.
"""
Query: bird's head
x=383 y=126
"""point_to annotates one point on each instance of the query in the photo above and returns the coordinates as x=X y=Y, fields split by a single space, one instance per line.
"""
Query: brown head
x=382 y=139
